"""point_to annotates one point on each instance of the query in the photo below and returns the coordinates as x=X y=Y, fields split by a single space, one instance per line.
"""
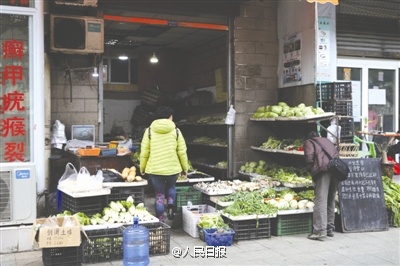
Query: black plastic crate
x=334 y=91
x=61 y=256
x=291 y=224
x=104 y=245
x=250 y=229
x=87 y=205
x=185 y=194
x=122 y=193
x=344 y=108
x=160 y=238
x=390 y=215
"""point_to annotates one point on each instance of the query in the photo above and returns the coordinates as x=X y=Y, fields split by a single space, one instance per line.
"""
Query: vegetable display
x=282 y=109
x=392 y=198
x=250 y=203
x=116 y=212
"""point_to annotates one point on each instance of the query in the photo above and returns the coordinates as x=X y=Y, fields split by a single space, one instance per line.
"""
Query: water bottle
x=136 y=244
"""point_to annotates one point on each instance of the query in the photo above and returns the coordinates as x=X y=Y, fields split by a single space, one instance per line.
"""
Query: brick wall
x=74 y=101
x=255 y=73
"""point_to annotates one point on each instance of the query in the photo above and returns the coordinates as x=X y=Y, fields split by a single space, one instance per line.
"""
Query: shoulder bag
x=339 y=169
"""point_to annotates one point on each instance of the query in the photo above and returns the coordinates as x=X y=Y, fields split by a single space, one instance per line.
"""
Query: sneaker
x=330 y=233
x=316 y=236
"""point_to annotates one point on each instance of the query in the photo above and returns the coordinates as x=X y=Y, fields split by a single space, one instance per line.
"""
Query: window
x=120 y=71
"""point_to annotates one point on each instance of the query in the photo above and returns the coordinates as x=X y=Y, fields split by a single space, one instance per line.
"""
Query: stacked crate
x=336 y=97
x=184 y=194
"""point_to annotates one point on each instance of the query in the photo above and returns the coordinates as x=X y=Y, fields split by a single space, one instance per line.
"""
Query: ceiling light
x=123 y=57
x=153 y=59
x=95 y=74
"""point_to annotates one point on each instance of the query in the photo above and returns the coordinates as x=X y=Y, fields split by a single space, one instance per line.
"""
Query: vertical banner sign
x=292 y=58
x=14 y=88
x=361 y=197
x=323 y=49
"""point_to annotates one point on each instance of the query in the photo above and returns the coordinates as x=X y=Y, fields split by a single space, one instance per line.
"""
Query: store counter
x=92 y=163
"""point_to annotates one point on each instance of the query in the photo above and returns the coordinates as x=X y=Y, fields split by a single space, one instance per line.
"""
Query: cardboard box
x=58 y=235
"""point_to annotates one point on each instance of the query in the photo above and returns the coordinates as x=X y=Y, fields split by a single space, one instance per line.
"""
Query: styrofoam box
x=191 y=216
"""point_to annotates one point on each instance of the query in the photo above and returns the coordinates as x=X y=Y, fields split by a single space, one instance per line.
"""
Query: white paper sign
x=376 y=96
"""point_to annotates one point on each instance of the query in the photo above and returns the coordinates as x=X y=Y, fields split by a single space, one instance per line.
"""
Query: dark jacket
x=316 y=159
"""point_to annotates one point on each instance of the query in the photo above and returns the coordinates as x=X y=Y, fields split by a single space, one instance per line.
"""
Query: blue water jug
x=136 y=244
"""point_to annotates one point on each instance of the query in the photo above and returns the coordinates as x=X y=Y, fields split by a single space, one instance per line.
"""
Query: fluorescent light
x=95 y=74
x=153 y=59
x=123 y=57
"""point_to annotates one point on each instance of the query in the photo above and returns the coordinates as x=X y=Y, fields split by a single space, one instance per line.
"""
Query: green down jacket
x=163 y=149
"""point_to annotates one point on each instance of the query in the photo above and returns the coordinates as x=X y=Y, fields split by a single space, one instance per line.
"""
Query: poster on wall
x=292 y=58
x=323 y=49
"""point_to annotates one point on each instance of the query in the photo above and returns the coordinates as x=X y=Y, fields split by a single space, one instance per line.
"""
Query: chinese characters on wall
x=14 y=89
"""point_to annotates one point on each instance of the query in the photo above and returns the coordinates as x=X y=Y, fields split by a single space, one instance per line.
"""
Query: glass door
x=375 y=91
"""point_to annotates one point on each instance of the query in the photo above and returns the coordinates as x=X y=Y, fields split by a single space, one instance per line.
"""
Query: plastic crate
x=191 y=217
x=291 y=224
x=185 y=194
x=87 y=205
x=61 y=256
x=104 y=245
x=160 y=238
x=344 y=108
x=108 y=152
x=201 y=233
x=89 y=152
x=250 y=229
x=216 y=239
x=122 y=193
x=390 y=215
x=347 y=126
x=334 y=91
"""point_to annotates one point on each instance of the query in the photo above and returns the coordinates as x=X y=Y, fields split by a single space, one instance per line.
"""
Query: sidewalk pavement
x=364 y=248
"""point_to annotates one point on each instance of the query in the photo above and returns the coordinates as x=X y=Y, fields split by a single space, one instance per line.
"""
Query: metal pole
x=230 y=100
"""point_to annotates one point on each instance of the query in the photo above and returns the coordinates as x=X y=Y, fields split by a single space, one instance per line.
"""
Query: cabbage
x=282 y=104
x=276 y=109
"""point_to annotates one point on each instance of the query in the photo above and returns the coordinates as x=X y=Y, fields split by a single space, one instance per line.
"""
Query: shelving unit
x=206 y=134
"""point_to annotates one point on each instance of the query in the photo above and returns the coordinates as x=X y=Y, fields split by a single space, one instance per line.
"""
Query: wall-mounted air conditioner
x=77 y=2
x=76 y=35
x=17 y=194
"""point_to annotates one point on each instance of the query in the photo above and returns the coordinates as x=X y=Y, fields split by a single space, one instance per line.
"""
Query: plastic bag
x=335 y=130
x=230 y=117
x=58 y=137
x=87 y=182
x=69 y=176
x=111 y=176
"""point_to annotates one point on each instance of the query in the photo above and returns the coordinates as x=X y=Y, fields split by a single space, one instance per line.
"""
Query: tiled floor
x=366 y=248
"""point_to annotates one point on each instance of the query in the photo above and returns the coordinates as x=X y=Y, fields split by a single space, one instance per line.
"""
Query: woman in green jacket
x=163 y=156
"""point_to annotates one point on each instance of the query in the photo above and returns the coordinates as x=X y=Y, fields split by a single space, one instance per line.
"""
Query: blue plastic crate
x=215 y=239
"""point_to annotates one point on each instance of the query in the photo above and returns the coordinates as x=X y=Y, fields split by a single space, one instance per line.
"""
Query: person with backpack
x=325 y=184
x=163 y=156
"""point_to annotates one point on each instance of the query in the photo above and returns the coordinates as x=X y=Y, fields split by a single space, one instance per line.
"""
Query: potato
x=125 y=173
x=130 y=178
x=138 y=178
x=133 y=168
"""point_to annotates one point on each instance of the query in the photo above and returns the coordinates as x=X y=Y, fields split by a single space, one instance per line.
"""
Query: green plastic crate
x=291 y=224
x=185 y=194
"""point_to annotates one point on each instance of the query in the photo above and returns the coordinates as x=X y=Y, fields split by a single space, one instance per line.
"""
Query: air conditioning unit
x=77 y=2
x=76 y=35
x=17 y=194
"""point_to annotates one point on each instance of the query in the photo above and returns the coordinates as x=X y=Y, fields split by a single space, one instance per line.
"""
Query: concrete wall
x=255 y=73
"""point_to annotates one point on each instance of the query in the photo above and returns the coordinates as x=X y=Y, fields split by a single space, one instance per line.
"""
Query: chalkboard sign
x=361 y=197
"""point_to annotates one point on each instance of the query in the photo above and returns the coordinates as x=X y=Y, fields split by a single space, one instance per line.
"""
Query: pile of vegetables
x=288 y=199
x=392 y=198
x=212 y=220
x=129 y=174
x=259 y=167
x=282 y=109
x=250 y=203
x=285 y=144
x=116 y=212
